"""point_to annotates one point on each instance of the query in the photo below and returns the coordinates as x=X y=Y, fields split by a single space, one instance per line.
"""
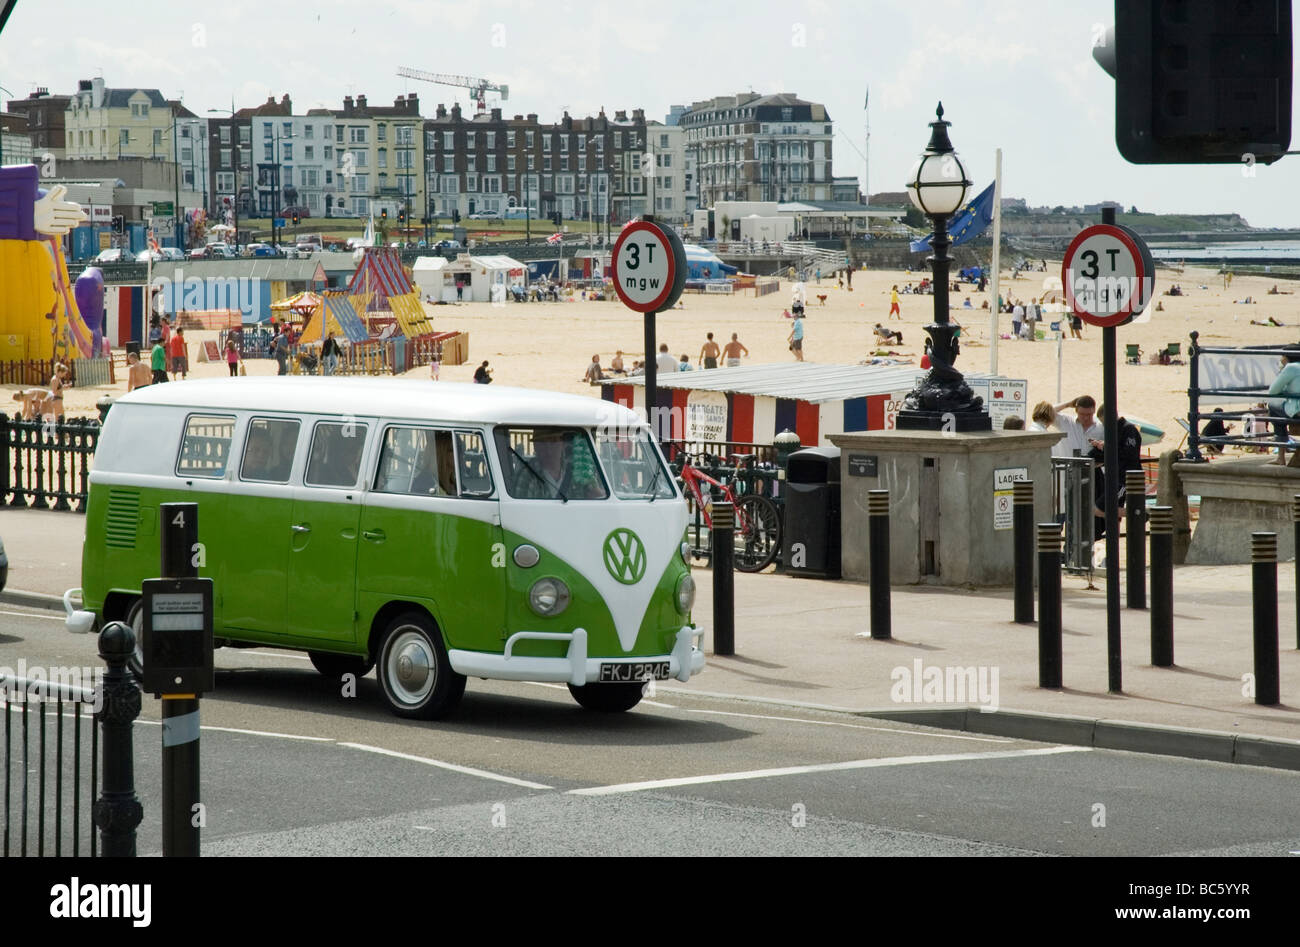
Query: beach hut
x=433 y=279
x=491 y=277
x=752 y=404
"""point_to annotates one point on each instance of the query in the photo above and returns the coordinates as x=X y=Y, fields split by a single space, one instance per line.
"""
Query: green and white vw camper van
x=434 y=531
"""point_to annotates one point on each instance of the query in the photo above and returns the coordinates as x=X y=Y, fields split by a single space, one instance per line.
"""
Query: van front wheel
x=415 y=676
x=608 y=698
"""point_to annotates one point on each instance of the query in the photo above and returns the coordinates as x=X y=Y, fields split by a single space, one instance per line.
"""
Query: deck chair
x=1133 y=354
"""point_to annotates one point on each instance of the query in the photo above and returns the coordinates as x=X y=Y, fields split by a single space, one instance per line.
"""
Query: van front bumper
x=575 y=667
x=77 y=620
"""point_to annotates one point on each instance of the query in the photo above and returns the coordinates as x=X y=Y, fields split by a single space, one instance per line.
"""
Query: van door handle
x=374 y=535
x=300 y=528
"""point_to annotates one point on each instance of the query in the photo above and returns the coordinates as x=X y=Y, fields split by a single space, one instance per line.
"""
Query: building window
x=448 y=141
x=328 y=153
x=546 y=182
x=510 y=138
x=491 y=163
x=450 y=184
x=357 y=134
x=546 y=163
x=223 y=134
x=564 y=144
x=564 y=162
x=338 y=134
x=668 y=161
x=491 y=140
x=471 y=182
x=470 y=163
x=329 y=176
x=546 y=143
x=308 y=153
x=225 y=157
x=618 y=139
x=125 y=140
x=383 y=157
x=381 y=133
x=510 y=162
x=528 y=139
x=531 y=162
x=308 y=131
x=288 y=151
x=268 y=152
x=448 y=163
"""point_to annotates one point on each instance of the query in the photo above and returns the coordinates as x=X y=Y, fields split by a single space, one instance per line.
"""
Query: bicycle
x=758 y=522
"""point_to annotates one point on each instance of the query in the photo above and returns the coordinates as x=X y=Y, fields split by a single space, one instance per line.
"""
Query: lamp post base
x=955 y=421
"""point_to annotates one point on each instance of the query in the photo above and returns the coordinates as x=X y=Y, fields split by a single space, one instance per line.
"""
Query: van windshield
x=549 y=463
x=633 y=466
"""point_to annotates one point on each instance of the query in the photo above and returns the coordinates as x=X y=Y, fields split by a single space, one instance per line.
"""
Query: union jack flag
x=554 y=238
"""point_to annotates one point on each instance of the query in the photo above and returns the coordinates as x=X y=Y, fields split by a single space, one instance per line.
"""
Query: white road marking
x=268 y=654
x=269 y=733
x=58 y=618
x=466 y=770
x=851 y=726
x=819 y=768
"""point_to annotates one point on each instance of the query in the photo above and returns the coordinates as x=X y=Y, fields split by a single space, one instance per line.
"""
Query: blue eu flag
x=967 y=224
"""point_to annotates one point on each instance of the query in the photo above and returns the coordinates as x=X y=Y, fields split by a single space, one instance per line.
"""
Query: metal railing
x=1073 y=502
x=1238 y=375
x=46 y=464
x=34 y=810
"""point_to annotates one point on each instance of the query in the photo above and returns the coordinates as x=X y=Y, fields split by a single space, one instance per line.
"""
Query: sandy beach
x=548 y=345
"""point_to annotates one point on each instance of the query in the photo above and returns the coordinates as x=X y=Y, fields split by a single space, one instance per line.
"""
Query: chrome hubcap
x=411 y=670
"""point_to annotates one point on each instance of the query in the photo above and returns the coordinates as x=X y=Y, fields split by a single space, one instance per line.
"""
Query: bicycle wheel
x=757 y=533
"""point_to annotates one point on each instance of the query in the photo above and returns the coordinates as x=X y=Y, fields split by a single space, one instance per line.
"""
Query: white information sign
x=1003 y=478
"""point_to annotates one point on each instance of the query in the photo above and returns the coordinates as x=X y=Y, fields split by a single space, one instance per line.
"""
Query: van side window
x=417 y=461
x=205 y=447
x=268 y=450
x=472 y=465
x=335 y=458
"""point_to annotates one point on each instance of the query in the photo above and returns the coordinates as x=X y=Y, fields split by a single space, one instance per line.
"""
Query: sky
x=1012 y=74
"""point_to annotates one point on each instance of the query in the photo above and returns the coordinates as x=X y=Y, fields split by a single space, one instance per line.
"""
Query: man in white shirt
x=1082 y=429
x=665 y=363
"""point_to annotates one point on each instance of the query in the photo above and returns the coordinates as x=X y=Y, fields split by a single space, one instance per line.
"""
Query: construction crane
x=479 y=87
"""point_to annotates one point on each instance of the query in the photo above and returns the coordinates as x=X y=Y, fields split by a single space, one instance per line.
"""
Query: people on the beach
x=1130 y=458
x=894 y=308
x=888 y=336
x=664 y=362
x=795 y=338
x=1215 y=427
x=733 y=351
x=137 y=373
x=1284 y=399
x=594 y=374
x=684 y=364
x=59 y=380
x=616 y=364
x=483 y=374
x=329 y=354
x=158 y=362
x=232 y=358
x=709 y=353
x=1082 y=429
x=179 y=357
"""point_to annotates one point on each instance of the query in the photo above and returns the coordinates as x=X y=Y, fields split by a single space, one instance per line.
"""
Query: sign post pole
x=1108 y=279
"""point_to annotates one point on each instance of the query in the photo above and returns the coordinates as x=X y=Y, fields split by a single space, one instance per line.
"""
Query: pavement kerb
x=1102 y=733
x=53 y=603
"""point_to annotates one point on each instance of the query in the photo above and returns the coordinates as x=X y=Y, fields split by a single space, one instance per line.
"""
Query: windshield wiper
x=533 y=470
x=654 y=481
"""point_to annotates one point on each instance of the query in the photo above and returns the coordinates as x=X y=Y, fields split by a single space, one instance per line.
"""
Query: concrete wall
x=970 y=550
x=1239 y=497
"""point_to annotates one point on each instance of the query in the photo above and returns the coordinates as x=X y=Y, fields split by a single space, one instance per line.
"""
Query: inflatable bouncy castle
x=39 y=316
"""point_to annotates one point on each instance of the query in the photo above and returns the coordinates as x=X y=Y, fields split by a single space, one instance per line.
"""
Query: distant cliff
x=1062 y=224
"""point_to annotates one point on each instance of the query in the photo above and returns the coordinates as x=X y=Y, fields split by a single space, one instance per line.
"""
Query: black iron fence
x=1237 y=381
x=45 y=464
x=49 y=791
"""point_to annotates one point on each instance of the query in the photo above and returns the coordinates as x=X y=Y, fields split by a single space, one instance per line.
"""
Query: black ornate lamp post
x=942 y=401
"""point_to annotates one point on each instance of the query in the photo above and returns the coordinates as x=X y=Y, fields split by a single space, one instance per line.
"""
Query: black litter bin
x=811 y=545
x=133 y=348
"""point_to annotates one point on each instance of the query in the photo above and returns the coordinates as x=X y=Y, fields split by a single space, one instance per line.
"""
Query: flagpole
x=997 y=264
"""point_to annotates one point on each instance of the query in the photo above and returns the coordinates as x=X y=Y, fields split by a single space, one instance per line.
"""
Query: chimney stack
x=361 y=103
x=442 y=111
x=347 y=105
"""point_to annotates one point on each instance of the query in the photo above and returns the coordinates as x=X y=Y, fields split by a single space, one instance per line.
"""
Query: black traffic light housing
x=295 y=219
x=1199 y=82
x=401 y=216
x=383 y=213
x=455 y=216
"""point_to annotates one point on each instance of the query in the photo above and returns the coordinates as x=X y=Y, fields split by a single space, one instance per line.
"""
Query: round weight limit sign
x=645 y=268
x=1107 y=275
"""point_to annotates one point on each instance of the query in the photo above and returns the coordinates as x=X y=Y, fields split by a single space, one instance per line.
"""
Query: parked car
x=144 y=256
x=199 y=253
x=172 y=254
x=221 y=251
x=448 y=245
x=301 y=210
x=111 y=255
x=485 y=215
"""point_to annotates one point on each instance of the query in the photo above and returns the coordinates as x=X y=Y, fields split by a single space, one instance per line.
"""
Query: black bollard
x=117 y=811
x=1022 y=541
x=878 y=549
x=1263 y=558
x=1135 y=551
x=1049 y=604
x=1295 y=515
x=724 y=579
x=1162 y=586
x=180 y=712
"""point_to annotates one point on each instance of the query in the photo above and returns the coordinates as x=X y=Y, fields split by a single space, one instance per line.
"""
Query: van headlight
x=548 y=597
x=685 y=550
x=685 y=593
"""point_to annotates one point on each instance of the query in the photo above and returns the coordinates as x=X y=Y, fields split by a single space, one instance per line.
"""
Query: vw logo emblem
x=625 y=556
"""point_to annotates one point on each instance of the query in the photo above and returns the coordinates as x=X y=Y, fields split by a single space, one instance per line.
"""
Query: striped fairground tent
x=339 y=316
x=380 y=273
x=410 y=315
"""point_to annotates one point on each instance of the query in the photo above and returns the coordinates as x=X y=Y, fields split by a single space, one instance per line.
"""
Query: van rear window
x=205 y=448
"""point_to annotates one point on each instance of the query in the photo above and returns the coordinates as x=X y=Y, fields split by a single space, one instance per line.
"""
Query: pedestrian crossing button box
x=177 y=636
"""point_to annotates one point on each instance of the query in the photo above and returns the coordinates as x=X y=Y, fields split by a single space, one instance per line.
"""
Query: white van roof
x=388 y=398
